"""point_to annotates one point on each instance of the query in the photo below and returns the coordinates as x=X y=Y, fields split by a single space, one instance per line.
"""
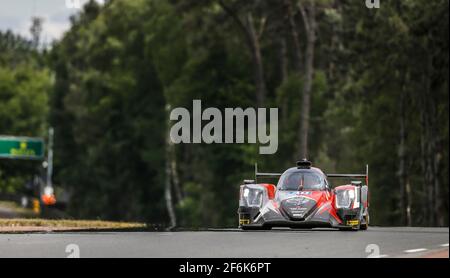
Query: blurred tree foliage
x=379 y=95
x=25 y=82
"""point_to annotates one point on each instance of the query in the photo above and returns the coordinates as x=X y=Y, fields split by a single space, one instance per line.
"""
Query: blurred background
x=353 y=85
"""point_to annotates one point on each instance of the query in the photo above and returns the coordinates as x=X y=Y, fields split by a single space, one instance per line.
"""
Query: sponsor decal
x=297 y=201
x=244 y=221
x=352 y=222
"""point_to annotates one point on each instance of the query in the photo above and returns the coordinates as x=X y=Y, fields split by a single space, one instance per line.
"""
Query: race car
x=303 y=198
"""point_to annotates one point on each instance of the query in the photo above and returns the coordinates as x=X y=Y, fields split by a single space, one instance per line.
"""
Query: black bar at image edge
x=228 y=267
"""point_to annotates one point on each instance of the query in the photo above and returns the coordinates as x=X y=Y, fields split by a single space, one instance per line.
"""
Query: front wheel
x=350 y=228
x=364 y=226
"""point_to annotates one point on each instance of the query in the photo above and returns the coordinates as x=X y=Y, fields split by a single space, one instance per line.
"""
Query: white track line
x=415 y=250
x=444 y=245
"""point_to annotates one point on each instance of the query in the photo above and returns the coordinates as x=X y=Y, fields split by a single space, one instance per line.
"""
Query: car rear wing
x=341 y=176
x=352 y=176
x=265 y=175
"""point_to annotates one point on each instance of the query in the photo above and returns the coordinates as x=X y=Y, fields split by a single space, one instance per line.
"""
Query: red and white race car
x=303 y=198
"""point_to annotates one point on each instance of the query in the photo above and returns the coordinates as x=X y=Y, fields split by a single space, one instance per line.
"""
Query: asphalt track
x=316 y=243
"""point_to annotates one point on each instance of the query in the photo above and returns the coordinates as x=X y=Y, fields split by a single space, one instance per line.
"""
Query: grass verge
x=36 y=225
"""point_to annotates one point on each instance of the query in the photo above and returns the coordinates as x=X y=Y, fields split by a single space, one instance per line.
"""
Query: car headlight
x=246 y=192
x=345 y=198
x=253 y=197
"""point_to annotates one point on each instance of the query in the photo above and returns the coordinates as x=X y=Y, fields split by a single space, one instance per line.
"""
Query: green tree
x=24 y=88
x=377 y=81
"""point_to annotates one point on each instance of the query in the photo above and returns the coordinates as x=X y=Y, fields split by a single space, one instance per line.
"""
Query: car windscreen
x=297 y=181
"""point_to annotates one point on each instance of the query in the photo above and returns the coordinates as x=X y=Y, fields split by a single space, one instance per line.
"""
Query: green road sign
x=21 y=147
